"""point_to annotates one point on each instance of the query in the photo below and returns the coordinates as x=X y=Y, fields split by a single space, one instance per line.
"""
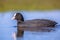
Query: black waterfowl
x=33 y=23
x=20 y=19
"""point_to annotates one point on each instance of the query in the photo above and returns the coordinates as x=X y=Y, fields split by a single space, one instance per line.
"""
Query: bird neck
x=19 y=21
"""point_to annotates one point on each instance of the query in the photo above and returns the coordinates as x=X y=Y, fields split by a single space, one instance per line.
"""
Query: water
x=7 y=26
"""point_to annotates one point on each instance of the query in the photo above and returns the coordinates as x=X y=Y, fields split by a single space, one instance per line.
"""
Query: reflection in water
x=8 y=27
x=14 y=36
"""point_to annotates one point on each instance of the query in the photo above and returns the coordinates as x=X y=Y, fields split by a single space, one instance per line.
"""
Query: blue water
x=7 y=26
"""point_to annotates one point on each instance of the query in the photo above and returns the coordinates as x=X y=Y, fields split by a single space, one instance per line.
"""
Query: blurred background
x=6 y=5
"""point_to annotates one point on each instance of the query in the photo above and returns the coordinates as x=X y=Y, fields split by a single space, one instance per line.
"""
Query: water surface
x=7 y=26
